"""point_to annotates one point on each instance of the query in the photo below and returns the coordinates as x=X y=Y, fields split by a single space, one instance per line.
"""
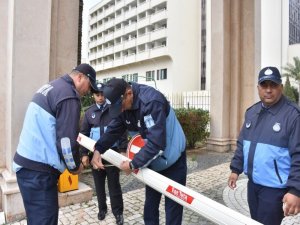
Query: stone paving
x=208 y=177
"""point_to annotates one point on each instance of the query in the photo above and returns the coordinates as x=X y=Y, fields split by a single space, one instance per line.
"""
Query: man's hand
x=232 y=180
x=96 y=161
x=125 y=166
x=78 y=171
x=291 y=204
x=85 y=161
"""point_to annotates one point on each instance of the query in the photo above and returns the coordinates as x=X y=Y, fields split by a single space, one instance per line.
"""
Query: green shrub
x=194 y=123
x=87 y=101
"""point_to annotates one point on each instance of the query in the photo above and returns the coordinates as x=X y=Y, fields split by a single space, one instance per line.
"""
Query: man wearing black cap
x=94 y=124
x=144 y=110
x=268 y=152
x=48 y=145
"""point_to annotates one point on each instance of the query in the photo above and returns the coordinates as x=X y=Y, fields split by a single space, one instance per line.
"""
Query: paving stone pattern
x=208 y=173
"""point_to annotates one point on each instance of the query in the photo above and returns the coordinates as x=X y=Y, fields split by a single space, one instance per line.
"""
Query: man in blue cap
x=48 y=145
x=142 y=109
x=268 y=152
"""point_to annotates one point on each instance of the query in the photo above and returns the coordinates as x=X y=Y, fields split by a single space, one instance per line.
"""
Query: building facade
x=148 y=41
x=294 y=22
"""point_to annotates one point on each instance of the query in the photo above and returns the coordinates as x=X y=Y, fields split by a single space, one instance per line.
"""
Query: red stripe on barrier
x=180 y=194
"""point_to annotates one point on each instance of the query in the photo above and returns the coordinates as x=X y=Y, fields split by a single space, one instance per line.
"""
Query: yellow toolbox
x=67 y=182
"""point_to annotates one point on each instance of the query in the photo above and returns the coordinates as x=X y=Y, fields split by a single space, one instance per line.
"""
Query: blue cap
x=89 y=71
x=270 y=73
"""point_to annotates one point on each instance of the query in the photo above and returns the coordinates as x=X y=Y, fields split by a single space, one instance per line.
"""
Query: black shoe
x=101 y=214
x=119 y=219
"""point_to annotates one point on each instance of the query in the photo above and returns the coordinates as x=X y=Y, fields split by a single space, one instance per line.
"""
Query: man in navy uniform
x=48 y=143
x=268 y=151
x=144 y=110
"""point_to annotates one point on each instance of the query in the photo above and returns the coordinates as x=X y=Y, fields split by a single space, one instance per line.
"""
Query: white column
x=234 y=57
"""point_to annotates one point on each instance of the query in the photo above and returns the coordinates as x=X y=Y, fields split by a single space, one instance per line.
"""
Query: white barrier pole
x=204 y=206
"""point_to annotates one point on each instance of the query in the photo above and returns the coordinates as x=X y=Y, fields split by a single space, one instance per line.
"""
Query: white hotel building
x=146 y=40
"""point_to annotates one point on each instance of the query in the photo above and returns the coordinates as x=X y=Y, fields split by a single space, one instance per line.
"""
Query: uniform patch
x=276 y=127
x=248 y=125
x=45 y=89
x=67 y=152
x=93 y=115
x=149 y=122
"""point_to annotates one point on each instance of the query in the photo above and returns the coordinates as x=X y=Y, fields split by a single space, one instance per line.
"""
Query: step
x=83 y=194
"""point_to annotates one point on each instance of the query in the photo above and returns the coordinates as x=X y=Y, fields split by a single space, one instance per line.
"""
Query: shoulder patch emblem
x=248 y=125
x=93 y=115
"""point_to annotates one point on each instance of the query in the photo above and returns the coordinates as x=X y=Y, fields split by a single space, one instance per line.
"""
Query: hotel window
x=161 y=74
x=131 y=77
x=150 y=75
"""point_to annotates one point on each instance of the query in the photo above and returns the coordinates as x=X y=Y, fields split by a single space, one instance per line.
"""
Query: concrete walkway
x=211 y=182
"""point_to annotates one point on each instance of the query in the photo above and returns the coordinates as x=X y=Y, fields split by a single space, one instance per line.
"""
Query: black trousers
x=265 y=203
x=115 y=193
x=40 y=198
x=173 y=210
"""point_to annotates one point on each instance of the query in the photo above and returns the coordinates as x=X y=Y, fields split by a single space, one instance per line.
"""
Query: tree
x=288 y=91
x=296 y=93
x=293 y=71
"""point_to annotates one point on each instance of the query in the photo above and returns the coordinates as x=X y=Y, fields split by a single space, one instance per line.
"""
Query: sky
x=87 y=4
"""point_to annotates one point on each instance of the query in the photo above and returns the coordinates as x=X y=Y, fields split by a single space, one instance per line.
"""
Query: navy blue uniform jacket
x=153 y=118
x=268 y=148
x=53 y=114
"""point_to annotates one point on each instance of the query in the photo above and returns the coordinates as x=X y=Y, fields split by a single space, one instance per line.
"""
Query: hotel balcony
x=143 y=7
x=127 y=2
x=145 y=38
x=119 y=47
x=109 y=50
x=98 y=67
x=130 y=13
x=156 y=2
x=158 y=51
x=109 y=24
x=109 y=10
x=119 y=18
x=119 y=32
x=129 y=59
x=160 y=15
x=109 y=37
x=144 y=55
x=93 y=32
x=119 y=5
x=118 y=62
x=92 y=44
x=158 y=34
x=100 y=41
x=100 y=15
x=93 y=20
x=92 y=56
x=99 y=54
x=108 y=64
x=143 y=23
x=130 y=43
x=130 y=28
